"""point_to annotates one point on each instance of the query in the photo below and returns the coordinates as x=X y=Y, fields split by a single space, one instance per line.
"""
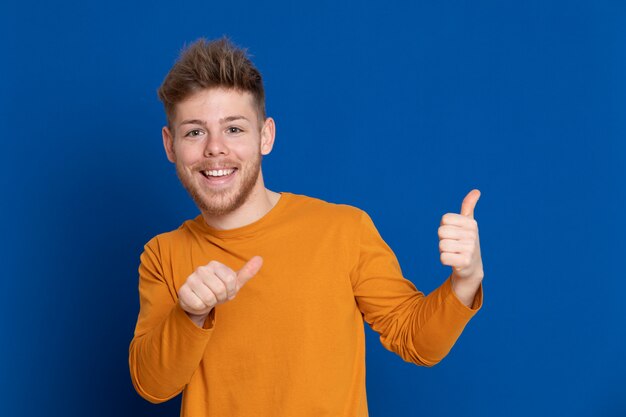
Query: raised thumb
x=250 y=269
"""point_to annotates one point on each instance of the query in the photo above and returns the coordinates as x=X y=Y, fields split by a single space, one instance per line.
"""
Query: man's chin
x=219 y=204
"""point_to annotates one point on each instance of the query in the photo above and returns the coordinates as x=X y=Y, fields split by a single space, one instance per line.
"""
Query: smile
x=216 y=173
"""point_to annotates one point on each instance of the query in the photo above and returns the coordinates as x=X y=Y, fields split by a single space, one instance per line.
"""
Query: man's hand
x=460 y=248
x=213 y=284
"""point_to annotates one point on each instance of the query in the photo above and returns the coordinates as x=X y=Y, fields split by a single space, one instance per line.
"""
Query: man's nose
x=215 y=146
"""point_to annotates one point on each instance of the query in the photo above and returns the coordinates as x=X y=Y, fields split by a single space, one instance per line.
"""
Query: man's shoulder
x=325 y=216
x=174 y=237
x=319 y=207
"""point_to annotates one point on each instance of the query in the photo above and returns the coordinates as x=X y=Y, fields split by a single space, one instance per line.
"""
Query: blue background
x=395 y=107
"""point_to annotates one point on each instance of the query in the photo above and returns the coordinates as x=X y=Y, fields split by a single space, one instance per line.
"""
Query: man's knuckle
x=192 y=280
x=210 y=299
x=229 y=278
x=198 y=304
x=183 y=291
x=221 y=293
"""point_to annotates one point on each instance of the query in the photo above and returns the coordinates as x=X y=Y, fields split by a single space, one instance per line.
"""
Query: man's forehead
x=215 y=105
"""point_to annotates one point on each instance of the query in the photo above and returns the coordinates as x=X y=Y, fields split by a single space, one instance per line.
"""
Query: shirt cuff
x=191 y=328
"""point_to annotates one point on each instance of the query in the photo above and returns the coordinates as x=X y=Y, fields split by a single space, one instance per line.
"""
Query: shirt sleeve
x=420 y=329
x=167 y=346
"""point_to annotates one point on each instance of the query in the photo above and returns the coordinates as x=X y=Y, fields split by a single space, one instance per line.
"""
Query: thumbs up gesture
x=213 y=284
x=460 y=247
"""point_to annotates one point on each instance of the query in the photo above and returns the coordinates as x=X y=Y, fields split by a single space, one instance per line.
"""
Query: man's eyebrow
x=222 y=121
x=233 y=118
x=193 y=122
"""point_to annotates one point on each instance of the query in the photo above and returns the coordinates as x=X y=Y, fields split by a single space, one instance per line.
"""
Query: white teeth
x=218 y=173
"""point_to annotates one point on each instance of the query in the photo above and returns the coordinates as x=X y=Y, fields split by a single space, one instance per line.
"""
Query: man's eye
x=233 y=129
x=193 y=133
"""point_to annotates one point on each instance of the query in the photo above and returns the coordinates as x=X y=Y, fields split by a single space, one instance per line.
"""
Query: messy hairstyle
x=211 y=64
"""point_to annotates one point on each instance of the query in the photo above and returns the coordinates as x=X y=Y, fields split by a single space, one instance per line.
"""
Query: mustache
x=206 y=166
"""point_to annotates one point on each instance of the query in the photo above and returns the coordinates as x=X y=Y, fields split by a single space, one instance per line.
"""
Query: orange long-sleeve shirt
x=292 y=342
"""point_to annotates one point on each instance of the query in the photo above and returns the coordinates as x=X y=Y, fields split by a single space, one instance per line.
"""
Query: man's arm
x=421 y=329
x=175 y=325
x=167 y=346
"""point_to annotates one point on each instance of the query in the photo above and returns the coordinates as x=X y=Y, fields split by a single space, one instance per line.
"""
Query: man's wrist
x=465 y=289
x=198 y=319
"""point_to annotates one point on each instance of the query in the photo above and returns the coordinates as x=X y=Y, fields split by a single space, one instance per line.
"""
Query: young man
x=256 y=306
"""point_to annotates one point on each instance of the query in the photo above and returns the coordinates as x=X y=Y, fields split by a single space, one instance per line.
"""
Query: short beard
x=218 y=204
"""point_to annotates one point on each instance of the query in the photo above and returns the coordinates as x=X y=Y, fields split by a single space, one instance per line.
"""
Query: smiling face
x=217 y=142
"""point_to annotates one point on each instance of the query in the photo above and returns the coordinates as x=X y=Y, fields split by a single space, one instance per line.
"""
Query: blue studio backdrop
x=399 y=108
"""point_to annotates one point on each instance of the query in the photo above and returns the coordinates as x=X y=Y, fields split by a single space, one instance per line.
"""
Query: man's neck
x=258 y=204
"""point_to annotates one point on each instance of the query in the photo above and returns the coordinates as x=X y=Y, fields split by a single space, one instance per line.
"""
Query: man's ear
x=168 y=144
x=267 y=136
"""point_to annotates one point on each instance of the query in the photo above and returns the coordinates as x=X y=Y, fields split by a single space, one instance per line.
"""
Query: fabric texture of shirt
x=292 y=342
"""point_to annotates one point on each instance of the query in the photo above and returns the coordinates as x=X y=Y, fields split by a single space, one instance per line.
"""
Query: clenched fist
x=213 y=284
x=459 y=246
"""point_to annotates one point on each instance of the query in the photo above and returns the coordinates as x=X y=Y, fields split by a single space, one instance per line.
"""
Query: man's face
x=217 y=144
